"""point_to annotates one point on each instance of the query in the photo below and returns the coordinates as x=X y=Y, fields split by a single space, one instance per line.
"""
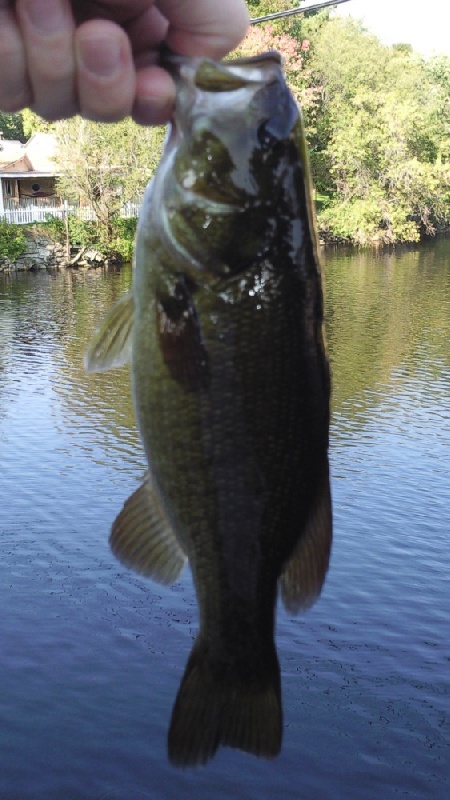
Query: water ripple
x=92 y=654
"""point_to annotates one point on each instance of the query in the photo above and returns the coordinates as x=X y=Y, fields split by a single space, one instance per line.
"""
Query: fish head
x=223 y=168
x=234 y=108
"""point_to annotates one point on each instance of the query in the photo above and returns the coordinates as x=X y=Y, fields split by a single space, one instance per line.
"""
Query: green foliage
x=118 y=241
x=87 y=234
x=54 y=228
x=438 y=68
x=33 y=123
x=123 y=239
x=299 y=26
x=380 y=140
x=106 y=166
x=366 y=221
x=11 y=126
x=83 y=233
x=377 y=123
x=13 y=243
x=260 y=8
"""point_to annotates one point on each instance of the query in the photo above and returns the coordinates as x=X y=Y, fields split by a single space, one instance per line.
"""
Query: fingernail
x=100 y=55
x=48 y=16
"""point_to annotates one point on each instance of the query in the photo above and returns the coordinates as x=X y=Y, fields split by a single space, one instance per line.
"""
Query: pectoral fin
x=142 y=537
x=111 y=344
x=304 y=574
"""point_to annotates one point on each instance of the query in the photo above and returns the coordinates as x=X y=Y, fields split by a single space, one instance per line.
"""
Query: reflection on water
x=91 y=655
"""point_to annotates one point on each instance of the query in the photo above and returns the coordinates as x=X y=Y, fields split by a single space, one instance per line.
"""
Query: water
x=91 y=655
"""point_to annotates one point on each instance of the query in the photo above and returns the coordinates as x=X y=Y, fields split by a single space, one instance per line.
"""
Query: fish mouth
x=208 y=75
x=243 y=91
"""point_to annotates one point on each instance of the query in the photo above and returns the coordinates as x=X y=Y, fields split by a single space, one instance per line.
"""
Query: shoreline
x=43 y=253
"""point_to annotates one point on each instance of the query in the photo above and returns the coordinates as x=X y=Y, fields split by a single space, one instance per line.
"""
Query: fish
x=223 y=327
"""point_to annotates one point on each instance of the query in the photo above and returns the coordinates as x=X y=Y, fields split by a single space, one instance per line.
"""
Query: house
x=28 y=177
x=28 y=174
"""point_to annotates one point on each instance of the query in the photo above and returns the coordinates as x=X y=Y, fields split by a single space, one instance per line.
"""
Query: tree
x=378 y=149
x=106 y=166
x=33 y=123
x=438 y=71
x=259 y=8
x=11 y=126
x=294 y=51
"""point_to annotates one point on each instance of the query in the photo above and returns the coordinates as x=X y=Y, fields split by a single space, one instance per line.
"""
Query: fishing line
x=297 y=10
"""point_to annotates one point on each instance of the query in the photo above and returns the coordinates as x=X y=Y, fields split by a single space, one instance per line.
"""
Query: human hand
x=99 y=58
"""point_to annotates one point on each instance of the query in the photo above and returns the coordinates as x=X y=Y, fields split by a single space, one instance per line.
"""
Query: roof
x=35 y=157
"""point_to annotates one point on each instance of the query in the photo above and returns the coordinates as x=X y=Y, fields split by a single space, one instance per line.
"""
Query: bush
x=364 y=221
x=13 y=243
x=123 y=237
x=54 y=228
x=89 y=234
x=83 y=233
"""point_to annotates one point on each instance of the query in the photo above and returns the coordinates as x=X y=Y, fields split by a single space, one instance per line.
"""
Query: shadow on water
x=91 y=655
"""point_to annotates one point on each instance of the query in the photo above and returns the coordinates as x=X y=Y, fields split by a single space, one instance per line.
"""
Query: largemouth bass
x=231 y=388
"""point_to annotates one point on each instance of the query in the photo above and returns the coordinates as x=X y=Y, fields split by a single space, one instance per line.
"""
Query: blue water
x=91 y=654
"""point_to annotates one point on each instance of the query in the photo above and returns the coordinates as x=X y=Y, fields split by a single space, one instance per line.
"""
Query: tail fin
x=217 y=706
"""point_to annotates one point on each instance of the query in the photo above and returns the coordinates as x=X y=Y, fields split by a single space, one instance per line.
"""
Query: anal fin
x=143 y=539
x=304 y=574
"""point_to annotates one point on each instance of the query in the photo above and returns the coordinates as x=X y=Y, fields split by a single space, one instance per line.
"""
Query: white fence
x=34 y=212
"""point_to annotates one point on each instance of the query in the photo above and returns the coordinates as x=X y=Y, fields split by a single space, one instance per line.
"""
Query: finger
x=155 y=89
x=155 y=96
x=106 y=78
x=15 y=92
x=146 y=32
x=47 y=28
x=204 y=28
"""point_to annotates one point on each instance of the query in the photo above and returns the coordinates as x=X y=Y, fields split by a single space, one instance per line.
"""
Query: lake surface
x=91 y=654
